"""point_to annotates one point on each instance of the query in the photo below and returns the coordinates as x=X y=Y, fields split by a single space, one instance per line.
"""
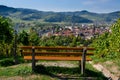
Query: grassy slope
x=47 y=72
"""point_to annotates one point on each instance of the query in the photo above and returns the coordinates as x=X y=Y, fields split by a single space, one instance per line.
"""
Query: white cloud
x=91 y=2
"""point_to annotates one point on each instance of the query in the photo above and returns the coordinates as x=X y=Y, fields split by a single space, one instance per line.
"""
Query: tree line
x=107 y=45
x=31 y=38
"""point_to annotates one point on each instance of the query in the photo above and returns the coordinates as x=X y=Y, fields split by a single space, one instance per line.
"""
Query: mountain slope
x=76 y=17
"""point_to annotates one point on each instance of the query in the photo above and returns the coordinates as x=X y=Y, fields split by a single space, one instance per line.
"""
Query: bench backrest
x=57 y=53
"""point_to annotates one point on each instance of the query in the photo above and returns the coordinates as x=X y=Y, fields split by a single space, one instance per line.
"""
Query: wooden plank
x=55 y=48
x=26 y=47
x=69 y=58
x=59 y=48
x=90 y=48
x=52 y=48
x=58 y=53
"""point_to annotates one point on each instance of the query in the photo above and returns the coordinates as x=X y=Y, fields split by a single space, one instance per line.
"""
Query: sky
x=98 y=6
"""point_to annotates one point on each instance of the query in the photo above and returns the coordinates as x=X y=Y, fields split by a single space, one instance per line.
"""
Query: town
x=85 y=31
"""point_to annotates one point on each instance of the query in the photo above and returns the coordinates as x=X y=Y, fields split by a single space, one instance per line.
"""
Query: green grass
x=22 y=70
x=49 y=72
x=15 y=70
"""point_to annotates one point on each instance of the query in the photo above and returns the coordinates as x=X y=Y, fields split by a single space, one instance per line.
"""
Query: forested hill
x=76 y=17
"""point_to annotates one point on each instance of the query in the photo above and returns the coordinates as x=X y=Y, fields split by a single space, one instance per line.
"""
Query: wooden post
x=15 y=48
x=33 y=59
x=21 y=52
x=83 y=61
x=79 y=63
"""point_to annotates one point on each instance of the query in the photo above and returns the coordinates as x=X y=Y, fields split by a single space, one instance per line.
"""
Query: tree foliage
x=108 y=44
x=23 y=38
x=34 y=39
x=6 y=36
x=6 y=31
x=61 y=41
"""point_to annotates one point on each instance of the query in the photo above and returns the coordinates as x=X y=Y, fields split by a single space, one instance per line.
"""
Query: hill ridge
x=83 y=16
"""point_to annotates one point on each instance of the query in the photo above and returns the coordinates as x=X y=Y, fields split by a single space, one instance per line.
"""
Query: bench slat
x=58 y=53
x=70 y=58
x=55 y=48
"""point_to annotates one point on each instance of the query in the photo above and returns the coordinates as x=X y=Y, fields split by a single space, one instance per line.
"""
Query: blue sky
x=99 y=6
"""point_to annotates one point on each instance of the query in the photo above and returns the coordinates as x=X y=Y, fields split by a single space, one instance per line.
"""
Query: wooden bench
x=81 y=54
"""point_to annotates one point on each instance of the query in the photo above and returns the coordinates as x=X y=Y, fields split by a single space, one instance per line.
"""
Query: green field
x=47 y=70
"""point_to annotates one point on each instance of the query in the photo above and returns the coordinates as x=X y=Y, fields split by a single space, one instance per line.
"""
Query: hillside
x=75 y=17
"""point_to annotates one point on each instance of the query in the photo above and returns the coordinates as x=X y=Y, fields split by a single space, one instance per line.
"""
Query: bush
x=7 y=62
x=21 y=60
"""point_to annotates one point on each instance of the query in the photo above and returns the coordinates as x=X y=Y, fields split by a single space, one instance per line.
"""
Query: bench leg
x=33 y=65
x=33 y=59
x=82 y=67
x=79 y=64
x=83 y=62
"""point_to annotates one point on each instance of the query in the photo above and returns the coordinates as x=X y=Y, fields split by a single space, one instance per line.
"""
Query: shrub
x=7 y=62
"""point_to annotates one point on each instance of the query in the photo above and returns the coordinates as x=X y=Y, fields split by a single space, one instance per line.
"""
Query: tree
x=6 y=31
x=34 y=38
x=74 y=40
x=115 y=36
x=23 y=38
x=108 y=44
x=6 y=34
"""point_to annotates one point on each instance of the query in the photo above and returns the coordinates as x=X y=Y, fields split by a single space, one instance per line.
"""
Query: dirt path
x=108 y=73
x=59 y=63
